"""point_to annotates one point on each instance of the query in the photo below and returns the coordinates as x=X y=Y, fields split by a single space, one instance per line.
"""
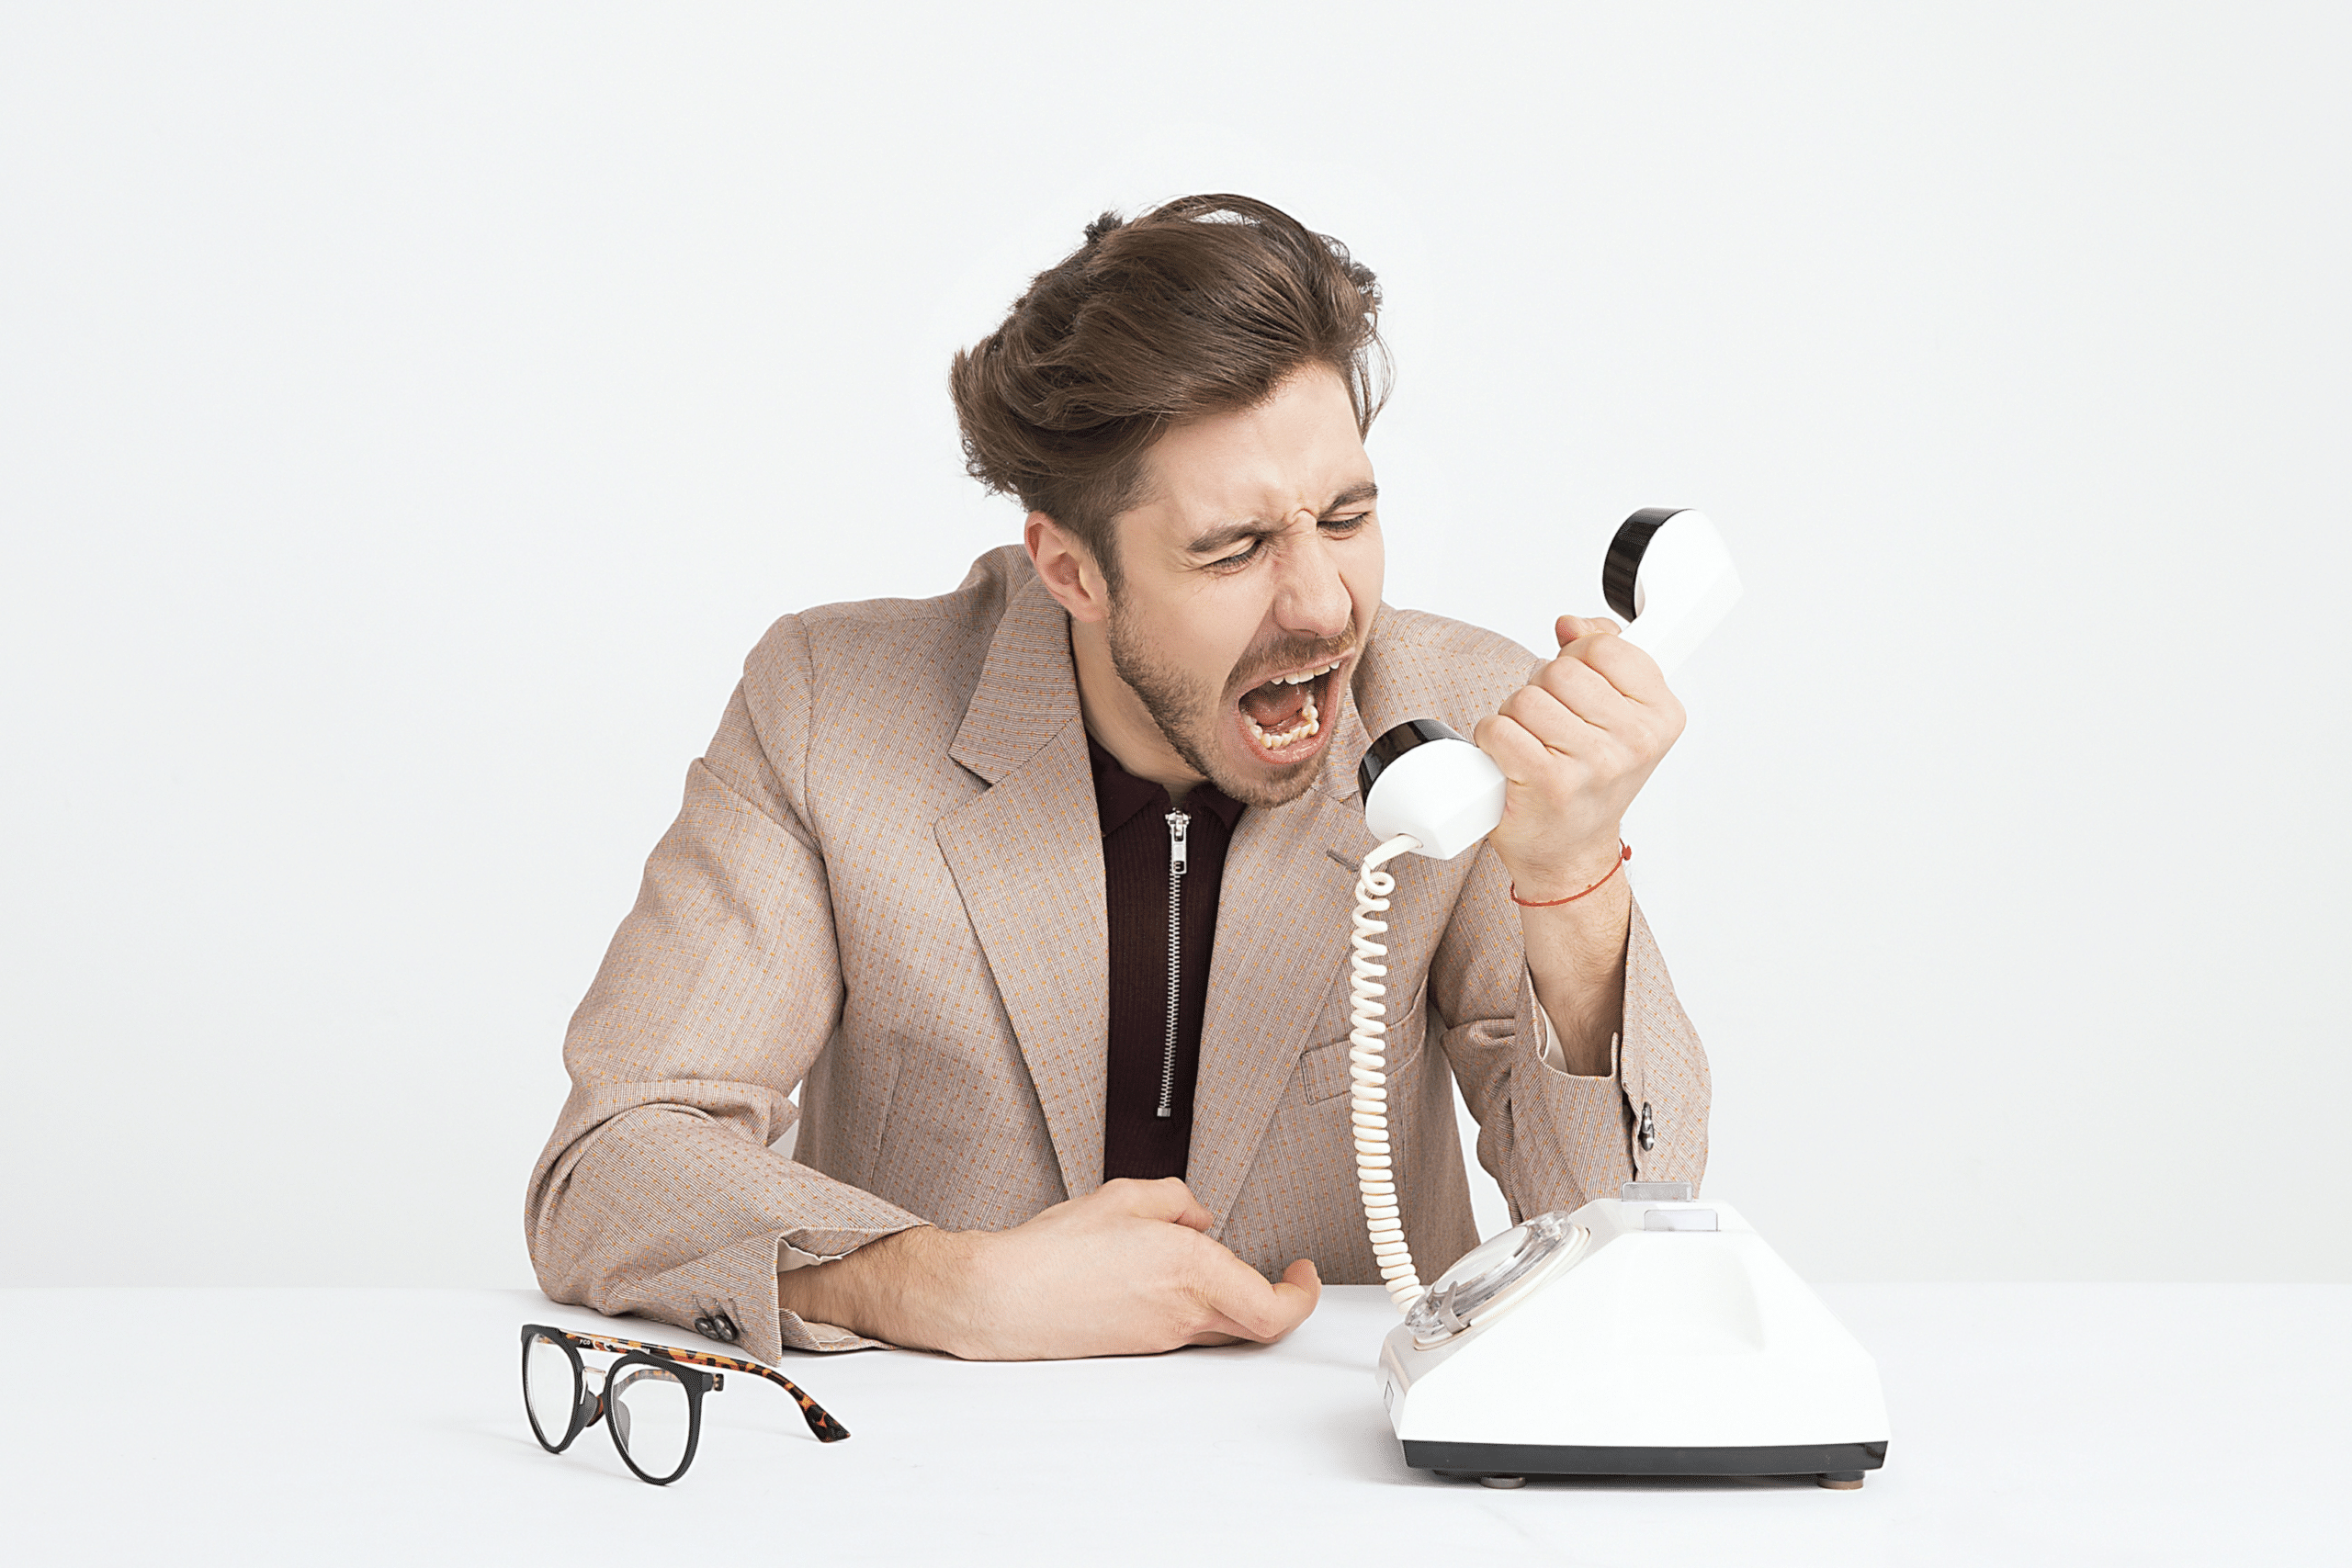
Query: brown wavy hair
x=1202 y=306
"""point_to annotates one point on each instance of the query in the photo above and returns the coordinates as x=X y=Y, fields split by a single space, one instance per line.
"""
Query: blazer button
x=1647 y=1136
x=722 y=1328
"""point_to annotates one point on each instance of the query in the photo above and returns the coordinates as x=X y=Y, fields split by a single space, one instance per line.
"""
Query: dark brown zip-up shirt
x=1136 y=857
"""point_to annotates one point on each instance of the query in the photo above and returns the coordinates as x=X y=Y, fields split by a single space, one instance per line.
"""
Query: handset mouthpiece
x=1669 y=574
x=1423 y=780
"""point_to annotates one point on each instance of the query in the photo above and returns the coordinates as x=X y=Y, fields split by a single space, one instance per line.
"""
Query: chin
x=1257 y=776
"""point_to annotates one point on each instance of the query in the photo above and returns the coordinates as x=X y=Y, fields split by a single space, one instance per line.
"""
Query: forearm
x=668 y=1211
x=1576 y=955
x=902 y=1289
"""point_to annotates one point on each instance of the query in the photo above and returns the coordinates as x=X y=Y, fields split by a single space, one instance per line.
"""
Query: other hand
x=1577 y=743
x=1128 y=1269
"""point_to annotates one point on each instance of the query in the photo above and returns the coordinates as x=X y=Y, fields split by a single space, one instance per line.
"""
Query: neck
x=1116 y=718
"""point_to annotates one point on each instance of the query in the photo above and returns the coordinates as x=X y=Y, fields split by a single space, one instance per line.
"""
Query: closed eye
x=1342 y=528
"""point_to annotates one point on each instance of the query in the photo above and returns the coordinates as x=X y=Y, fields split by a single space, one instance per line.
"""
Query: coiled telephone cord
x=1367 y=1072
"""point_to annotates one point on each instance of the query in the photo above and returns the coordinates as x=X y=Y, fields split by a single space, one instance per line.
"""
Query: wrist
x=939 y=1282
x=1566 y=879
x=899 y=1288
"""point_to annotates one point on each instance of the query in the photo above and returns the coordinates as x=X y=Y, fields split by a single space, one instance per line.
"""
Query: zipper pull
x=1178 y=822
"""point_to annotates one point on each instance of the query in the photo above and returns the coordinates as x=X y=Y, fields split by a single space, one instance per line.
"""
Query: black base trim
x=1547 y=1458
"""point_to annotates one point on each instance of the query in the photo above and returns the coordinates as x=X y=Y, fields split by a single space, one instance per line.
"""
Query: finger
x=1520 y=755
x=1167 y=1199
x=1239 y=1299
x=1554 y=722
x=1568 y=628
x=1629 y=668
x=1578 y=680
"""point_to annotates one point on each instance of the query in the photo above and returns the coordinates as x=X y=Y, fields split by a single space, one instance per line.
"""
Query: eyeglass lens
x=551 y=1390
x=651 y=1417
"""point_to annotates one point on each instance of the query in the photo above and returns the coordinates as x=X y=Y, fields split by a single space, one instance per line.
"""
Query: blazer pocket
x=1322 y=1070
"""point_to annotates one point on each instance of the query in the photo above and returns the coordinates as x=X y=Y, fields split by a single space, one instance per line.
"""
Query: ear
x=1067 y=567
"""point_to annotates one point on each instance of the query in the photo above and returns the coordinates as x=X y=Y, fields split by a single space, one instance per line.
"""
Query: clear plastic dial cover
x=1483 y=1278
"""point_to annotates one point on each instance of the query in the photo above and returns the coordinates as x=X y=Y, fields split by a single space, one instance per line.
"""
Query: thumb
x=1568 y=628
x=1298 y=1292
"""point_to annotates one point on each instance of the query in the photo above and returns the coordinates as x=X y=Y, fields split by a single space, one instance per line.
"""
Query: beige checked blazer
x=886 y=887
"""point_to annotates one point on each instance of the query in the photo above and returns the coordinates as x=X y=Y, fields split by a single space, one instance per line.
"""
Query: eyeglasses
x=650 y=1399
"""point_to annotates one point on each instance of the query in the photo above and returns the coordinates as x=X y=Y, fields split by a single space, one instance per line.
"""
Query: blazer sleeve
x=659 y=1192
x=1554 y=1139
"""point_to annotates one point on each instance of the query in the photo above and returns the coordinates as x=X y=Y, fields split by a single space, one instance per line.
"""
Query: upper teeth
x=1303 y=676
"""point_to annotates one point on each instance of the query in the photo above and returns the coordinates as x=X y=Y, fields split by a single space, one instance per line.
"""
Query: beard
x=1190 y=712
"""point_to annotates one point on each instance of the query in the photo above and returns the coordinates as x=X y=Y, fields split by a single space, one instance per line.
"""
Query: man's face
x=1248 y=581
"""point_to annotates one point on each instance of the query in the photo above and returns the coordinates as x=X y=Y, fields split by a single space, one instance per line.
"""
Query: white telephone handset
x=1666 y=573
x=1644 y=1334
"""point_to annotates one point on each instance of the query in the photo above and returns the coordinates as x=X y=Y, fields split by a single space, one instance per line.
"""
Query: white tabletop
x=2074 y=1424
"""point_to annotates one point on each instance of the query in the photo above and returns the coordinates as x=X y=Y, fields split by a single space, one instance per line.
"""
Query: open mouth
x=1285 y=715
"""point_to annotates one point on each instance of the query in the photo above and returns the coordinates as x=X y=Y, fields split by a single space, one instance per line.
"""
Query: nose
x=1311 y=598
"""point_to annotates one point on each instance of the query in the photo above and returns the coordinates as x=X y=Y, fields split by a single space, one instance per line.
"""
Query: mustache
x=1292 y=653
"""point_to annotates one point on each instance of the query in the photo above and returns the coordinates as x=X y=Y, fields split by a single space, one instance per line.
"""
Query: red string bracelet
x=1624 y=853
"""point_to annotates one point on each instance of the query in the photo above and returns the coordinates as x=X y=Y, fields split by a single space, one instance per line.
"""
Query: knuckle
x=1195 y=1288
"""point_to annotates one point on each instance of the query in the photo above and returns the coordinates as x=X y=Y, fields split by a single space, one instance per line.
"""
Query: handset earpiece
x=1668 y=573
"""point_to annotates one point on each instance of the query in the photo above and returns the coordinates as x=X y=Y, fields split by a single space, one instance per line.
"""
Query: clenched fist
x=1577 y=743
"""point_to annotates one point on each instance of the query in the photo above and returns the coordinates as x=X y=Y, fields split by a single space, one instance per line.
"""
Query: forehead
x=1298 y=449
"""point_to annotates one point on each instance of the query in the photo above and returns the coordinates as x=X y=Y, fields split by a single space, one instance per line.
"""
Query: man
x=1040 y=891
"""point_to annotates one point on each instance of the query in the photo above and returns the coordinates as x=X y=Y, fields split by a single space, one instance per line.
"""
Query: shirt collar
x=1119 y=795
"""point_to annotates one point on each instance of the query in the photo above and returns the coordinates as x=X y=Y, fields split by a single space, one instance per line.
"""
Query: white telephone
x=1648 y=1334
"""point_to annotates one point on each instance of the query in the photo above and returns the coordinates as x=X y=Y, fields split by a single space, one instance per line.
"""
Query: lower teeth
x=1309 y=725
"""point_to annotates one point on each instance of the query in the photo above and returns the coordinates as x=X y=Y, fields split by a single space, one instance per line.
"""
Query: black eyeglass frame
x=588 y=1408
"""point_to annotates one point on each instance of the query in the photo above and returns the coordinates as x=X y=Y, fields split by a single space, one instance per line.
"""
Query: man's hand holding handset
x=1576 y=744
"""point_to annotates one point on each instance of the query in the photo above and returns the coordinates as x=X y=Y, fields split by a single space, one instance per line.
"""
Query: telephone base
x=1547 y=1458
x=1651 y=1335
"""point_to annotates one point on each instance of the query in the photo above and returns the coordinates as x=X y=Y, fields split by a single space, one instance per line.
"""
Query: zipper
x=1178 y=822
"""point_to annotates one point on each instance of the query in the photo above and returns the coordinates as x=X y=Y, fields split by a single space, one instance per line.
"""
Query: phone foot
x=1512 y=1483
x=1841 y=1479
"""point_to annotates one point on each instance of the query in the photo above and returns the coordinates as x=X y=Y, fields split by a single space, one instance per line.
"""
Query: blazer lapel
x=1281 y=938
x=1028 y=859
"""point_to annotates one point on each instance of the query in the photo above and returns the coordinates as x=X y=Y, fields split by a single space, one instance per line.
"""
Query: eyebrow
x=1227 y=534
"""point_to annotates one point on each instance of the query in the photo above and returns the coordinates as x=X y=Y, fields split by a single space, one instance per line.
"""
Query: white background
x=410 y=415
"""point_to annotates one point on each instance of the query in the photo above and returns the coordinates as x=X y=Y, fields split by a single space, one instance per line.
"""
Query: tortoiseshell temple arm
x=826 y=1428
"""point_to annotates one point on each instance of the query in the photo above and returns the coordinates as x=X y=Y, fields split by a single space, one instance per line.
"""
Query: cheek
x=1205 y=640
